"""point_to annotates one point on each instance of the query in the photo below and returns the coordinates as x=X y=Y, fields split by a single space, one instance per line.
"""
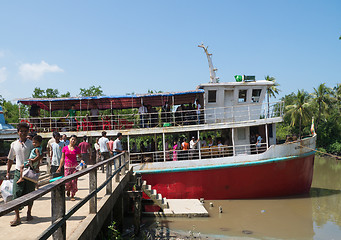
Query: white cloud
x=3 y=74
x=36 y=71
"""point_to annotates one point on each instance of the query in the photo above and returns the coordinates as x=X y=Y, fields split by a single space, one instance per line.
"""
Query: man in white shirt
x=20 y=151
x=192 y=147
x=142 y=111
x=117 y=147
x=56 y=155
x=104 y=147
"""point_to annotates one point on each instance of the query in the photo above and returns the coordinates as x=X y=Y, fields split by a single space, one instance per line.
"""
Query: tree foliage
x=11 y=111
x=324 y=105
x=299 y=111
x=91 y=91
x=48 y=93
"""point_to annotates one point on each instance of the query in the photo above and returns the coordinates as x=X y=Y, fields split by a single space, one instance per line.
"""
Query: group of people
x=106 y=148
x=185 y=114
x=184 y=150
x=65 y=157
x=26 y=153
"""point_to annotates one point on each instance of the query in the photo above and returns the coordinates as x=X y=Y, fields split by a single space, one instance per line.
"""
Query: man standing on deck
x=20 y=151
x=142 y=112
x=192 y=147
x=117 y=147
x=85 y=150
x=104 y=147
x=111 y=145
x=259 y=142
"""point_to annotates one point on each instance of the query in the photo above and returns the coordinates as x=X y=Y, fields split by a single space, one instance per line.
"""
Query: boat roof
x=115 y=102
x=234 y=84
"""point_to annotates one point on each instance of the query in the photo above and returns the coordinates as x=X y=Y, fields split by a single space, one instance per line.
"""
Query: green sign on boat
x=238 y=78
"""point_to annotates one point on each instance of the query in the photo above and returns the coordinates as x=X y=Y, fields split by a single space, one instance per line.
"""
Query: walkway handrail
x=60 y=183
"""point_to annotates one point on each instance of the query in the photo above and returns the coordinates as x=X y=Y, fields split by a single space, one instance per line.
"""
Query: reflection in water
x=313 y=216
x=326 y=198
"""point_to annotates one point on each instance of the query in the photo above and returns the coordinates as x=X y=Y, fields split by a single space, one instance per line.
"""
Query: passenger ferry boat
x=232 y=113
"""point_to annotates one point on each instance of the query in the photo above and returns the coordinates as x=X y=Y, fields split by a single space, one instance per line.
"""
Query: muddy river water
x=316 y=215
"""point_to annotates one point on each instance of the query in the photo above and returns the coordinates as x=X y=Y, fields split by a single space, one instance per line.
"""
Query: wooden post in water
x=93 y=187
x=58 y=210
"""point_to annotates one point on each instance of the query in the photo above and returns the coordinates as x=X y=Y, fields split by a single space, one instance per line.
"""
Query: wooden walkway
x=41 y=211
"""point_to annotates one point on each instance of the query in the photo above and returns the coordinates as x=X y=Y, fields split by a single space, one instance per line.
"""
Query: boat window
x=241 y=133
x=256 y=95
x=242 y=96
x=212 y=96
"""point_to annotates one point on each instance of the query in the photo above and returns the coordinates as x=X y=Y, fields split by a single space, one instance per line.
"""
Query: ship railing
x=206 y=152
x=237 y=113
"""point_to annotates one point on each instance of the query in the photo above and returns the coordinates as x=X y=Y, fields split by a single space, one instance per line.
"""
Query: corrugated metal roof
x=114 y=102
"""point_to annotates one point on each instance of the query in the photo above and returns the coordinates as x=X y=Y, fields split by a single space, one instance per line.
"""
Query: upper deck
x=210 y=106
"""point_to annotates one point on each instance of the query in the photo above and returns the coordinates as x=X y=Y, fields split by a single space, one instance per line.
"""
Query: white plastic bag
x=7 y=190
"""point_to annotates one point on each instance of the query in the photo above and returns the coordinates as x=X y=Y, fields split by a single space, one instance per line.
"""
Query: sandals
x=15 y=223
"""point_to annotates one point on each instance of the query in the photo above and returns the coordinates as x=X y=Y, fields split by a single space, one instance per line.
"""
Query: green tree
x=11 y=111
x=322 y=98
x=299 y=111
x=154 y=91
x=48 y=93
x=91 y=91
x=271 y=91
x=51 y=93
x=38 y=93
x=337 y=96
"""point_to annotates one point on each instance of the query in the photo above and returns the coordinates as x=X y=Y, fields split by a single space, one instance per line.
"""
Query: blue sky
x=133 y=46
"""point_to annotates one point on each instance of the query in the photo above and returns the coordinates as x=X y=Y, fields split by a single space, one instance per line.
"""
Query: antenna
x=213 y=78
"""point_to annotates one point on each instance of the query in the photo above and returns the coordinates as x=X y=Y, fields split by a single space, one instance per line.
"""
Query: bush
x=335 y=148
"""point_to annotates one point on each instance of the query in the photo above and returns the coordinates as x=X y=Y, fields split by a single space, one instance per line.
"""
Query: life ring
x=26 y=121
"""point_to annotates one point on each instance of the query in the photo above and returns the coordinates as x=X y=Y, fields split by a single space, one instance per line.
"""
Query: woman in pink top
x=69 y=160
x=175 y=154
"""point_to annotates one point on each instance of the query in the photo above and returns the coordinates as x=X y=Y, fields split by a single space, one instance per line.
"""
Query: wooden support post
x=128 y=141
x=164 y=146
x=127 y=159
x=108 y=175
x=58 y=210
x=137 y=205
x=116 y=162
x=93 y=187
x=123 y=170
x=234 y=147
x=199 y=144
x=266 y=136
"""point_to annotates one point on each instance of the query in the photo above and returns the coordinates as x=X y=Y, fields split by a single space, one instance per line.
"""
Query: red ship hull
x=262 y=179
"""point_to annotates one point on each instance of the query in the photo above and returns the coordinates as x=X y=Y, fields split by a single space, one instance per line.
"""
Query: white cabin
x=239 y=102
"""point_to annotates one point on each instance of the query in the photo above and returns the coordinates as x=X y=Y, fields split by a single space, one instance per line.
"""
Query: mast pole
x=213 y=78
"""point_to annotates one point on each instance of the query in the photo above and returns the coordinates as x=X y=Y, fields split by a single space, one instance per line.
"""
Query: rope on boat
x=325 y=153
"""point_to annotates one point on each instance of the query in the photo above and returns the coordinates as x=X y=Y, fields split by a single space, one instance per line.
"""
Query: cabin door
x=228 y=103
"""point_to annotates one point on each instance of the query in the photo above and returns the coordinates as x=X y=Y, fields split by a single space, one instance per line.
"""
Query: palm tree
x=322 y=98
x=299 y=111
x=337 y=96
x=271 y=91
